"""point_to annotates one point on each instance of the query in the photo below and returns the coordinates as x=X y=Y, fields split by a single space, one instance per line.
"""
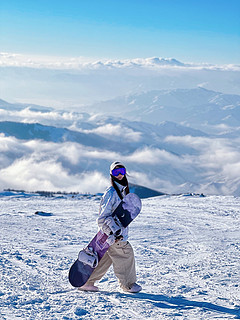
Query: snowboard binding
x=89 y=257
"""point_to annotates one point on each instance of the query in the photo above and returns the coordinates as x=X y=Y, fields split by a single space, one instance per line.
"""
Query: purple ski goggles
x=118 y=171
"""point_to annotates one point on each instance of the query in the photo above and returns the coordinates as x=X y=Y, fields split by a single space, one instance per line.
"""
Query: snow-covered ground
x=187 y=252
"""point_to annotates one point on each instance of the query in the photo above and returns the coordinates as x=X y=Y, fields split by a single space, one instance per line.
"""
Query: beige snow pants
x=121 y=256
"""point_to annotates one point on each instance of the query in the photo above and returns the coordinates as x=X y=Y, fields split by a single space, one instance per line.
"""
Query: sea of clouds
x=204 y=164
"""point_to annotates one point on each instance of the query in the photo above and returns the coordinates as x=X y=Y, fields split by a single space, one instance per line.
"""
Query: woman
x=120 y=253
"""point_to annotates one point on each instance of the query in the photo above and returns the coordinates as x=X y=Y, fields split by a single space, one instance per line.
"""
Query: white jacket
x=109 y=202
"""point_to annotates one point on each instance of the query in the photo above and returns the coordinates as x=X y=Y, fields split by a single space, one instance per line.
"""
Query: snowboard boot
x=133 y=288
x=89 y=287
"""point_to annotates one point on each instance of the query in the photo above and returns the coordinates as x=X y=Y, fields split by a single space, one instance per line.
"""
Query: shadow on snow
x=178 y=303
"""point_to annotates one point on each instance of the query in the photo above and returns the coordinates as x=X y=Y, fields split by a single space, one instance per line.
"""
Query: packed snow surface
x=187 y=251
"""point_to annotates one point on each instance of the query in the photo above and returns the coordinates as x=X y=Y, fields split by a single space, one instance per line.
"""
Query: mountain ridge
x=192 y=107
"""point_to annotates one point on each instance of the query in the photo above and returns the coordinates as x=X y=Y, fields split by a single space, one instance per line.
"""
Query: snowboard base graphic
x=89 y=257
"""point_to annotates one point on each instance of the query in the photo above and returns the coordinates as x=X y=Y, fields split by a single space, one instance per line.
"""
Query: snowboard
x=89 y=257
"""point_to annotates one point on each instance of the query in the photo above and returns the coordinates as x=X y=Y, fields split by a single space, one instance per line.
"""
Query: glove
x=111 y=226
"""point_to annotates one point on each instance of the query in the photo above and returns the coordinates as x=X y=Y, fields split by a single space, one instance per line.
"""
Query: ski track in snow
x=187 y=253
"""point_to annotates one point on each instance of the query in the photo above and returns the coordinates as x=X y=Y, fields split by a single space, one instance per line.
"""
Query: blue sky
x=188 y=30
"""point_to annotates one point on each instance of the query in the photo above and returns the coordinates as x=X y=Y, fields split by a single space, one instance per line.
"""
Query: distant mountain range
x=20 y=106
x=33 y=131
x=206 y=110
x=71 y=82
x=172 y=141
x=198 y=108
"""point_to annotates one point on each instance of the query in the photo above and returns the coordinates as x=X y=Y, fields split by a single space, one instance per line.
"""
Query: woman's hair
x=123 y=182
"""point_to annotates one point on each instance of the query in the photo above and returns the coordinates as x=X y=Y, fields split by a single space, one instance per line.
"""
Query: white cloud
x=157 y=157
x=29 y=115
x=232 y=170
x=49 y=175
x=150 y=156
x=37 y=61
x=72 y=152
x=38 y=165
x=11 y=149
x=109 y=130
x=220 y=158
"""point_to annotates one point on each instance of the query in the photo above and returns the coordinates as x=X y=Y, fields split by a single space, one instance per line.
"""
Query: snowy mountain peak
x=164 y=61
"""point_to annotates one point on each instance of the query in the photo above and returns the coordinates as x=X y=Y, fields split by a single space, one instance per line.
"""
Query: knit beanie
x=115 y=164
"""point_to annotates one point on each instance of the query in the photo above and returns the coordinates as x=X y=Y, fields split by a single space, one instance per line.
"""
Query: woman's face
x=120 y=176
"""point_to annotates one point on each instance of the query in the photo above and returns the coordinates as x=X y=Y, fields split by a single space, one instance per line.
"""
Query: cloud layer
x=20 y=60
x=37 y=165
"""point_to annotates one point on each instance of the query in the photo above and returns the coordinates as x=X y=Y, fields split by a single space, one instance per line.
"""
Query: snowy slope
x=186 y=249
